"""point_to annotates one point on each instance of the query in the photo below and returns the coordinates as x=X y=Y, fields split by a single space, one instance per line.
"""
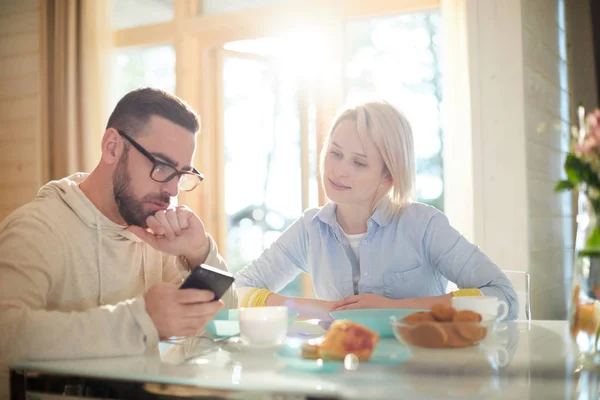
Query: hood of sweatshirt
x=67 y=190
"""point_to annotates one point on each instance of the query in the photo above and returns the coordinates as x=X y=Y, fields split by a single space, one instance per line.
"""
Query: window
x=397 y=59
x=139 y=67
x=262 y=138
x=258 y=88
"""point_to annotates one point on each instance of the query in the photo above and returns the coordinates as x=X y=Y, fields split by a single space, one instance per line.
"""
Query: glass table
x=522 y=361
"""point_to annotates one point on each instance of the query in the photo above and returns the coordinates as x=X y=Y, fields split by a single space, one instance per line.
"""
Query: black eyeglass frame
x=155 y=163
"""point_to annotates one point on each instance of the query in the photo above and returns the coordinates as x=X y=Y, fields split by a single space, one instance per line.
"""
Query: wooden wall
x=20 y=103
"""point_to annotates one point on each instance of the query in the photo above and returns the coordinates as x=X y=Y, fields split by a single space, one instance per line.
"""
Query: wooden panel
x=146 y=35
x=23 y=151
x=20 y=23
x=547 y=233
x=188 y=88
x=19 y=102
x=540 y=58
x=8 y=7
x=20 y=86
x=550 y=10
x=546 y=129
x=18 y=173
x=18 y=194
x=19 y=44
x=544 y=162
x=544 y=202
x=548 y=302
x=219 y=152
x=205 y=155
x=552 y=266
x=17 y=131
x=546 y=29
x=16 y=109
x=541 y=93
x=20 y=65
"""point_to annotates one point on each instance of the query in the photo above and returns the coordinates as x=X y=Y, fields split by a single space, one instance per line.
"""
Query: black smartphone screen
x=205 y=277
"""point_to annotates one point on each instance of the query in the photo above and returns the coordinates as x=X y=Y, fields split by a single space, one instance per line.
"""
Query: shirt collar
x=327 y=214
x=382 y=215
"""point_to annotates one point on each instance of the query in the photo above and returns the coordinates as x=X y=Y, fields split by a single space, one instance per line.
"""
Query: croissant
x=347 y=337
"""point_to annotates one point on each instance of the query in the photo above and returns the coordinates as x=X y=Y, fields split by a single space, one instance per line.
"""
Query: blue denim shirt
x=413 y=254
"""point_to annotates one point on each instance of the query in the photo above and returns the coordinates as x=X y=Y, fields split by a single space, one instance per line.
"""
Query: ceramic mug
x=263 y=326
x=490 y=308
x=497 y=355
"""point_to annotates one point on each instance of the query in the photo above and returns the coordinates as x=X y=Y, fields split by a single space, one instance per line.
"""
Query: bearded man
x=91 y=266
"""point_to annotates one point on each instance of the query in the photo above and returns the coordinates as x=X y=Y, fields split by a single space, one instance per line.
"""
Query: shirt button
x=366 y=274
x=365 y=241
x=370 y=223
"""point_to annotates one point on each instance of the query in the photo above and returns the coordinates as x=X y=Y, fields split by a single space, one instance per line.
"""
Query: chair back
x=521 y=282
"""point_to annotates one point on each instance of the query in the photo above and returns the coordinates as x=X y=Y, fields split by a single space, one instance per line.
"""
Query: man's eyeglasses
x=163 y=172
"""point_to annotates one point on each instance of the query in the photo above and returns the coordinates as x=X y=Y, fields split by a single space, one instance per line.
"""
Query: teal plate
x=377 y=319
x=226 y=323
x=385 y=353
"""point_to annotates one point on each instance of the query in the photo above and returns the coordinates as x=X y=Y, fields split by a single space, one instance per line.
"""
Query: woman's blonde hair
x=389 y=129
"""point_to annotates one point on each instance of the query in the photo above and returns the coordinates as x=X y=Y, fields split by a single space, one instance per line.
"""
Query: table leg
x=17 y=385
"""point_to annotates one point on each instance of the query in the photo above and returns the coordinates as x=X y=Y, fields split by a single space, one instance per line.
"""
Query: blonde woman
x=371 y=246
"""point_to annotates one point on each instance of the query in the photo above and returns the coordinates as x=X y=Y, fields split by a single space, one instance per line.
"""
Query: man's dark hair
x=134 y=110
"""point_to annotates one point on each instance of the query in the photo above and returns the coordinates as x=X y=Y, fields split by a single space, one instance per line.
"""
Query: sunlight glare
x=305 y=53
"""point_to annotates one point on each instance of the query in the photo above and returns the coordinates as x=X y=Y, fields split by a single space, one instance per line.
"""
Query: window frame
x=198 y=41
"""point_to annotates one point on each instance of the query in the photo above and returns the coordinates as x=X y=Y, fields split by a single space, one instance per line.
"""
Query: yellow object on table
x=467 y=292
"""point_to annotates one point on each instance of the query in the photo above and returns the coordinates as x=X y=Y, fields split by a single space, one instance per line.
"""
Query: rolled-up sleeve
x=465 y=264
x=280 y=263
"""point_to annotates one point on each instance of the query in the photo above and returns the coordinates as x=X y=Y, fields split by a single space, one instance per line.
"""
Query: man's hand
x=365 y=300
x=180 y=312
x=176 y=231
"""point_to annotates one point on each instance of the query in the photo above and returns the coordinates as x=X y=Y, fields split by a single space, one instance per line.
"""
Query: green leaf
x=580 y=171
x=593 y=252
x=564 y=185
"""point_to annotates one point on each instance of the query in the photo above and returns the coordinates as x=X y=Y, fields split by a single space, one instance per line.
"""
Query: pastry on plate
x=347 y=337
x=310 y=351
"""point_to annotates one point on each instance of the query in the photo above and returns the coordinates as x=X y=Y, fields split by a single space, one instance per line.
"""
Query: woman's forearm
x=307 y=308
x=423 y=302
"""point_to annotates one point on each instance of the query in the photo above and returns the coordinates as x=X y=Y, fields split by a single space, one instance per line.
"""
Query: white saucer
x=238 y=342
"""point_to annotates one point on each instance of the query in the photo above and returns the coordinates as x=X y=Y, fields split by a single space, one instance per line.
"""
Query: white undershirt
x=354 y=242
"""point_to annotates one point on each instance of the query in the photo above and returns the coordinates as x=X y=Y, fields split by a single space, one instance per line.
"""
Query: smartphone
x=205 y=277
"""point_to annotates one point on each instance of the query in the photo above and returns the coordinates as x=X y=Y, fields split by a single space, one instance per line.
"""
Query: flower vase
x=584 y=311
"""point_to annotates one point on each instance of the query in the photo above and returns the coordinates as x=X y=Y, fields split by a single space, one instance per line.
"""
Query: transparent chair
x=521 y=282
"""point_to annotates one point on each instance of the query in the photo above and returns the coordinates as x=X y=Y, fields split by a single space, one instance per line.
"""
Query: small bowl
x=227 y=323
x=440 y=335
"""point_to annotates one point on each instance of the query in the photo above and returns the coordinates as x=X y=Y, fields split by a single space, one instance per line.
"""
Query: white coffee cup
x=263 y=326
x=497 y=355
x=490 y=308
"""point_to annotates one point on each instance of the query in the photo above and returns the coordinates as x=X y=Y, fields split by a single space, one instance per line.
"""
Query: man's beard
x=131 y=208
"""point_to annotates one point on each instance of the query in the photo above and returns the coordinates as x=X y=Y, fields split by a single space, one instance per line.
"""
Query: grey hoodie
x=72 y=281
